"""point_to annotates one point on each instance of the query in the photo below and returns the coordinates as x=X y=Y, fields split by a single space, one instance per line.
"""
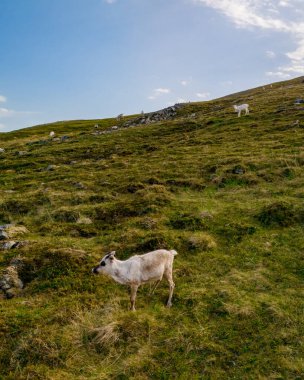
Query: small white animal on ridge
x=139 y=269
x=52 y=134
x=240 y=108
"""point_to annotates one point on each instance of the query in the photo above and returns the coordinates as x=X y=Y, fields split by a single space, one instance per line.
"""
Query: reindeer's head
x=105 y=262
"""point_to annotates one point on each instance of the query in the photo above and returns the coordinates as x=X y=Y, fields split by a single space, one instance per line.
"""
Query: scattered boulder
x=13 y=230
x=84 y=220
x=64 y=138
x=10 y=283
x=2 y=150
x=154 y=117
x=206 y=215
x=50 y=168
x=56 y=139
x=79 y=185
x=3 y=235
x=11 y=244
x=299 y=101
x=22 y=153
x=7 y=245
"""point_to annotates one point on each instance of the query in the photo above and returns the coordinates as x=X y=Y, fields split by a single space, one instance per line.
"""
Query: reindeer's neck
x=118 y=272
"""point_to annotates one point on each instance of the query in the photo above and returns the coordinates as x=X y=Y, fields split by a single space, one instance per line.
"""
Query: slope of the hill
x=225 y=192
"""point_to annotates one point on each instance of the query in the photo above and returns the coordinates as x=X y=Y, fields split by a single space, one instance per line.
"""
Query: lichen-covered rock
x=10 y=283
x=3 y=235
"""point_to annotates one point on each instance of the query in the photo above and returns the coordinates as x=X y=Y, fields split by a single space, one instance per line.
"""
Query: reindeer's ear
x=112 y=254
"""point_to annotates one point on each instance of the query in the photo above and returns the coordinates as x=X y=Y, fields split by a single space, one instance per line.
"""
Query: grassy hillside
x=225 y=192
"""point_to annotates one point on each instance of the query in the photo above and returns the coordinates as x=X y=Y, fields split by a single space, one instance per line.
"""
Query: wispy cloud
x=184 y=82
x=270 y=54
x=269 y=15
x=110 y=1
x=203 y=95
x=2 y=99
x=158 y=92
x=5 y=112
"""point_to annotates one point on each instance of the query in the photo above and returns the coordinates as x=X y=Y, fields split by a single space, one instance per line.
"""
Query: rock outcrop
x=154 y=117
x=10 y=283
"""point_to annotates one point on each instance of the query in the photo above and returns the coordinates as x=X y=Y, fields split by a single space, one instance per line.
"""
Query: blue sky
x=83 y=59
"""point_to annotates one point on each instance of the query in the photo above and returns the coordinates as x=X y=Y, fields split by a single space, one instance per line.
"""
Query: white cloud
x=268 y=15
x=270 y=54
x=2 y=99
x=162 y=90
x=278 y=74
x=4 y=112
x=159 y=92
x=203 y=95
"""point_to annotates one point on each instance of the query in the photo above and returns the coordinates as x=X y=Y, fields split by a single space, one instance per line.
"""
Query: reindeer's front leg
x=133 y=296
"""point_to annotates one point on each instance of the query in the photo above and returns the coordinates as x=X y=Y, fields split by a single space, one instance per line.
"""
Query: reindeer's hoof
x=169 y=304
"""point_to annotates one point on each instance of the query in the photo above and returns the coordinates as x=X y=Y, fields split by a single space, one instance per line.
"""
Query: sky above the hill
x=85 y=59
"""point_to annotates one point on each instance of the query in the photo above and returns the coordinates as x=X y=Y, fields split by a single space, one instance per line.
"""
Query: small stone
x=2 y=150
x=114 y=127
x=50 y=168
x=84 y=220
x=8 y=245
x=22 y=153
x=206 y=215
x=64 y=138
x=3 y=235
x=79 y=185
x=56 y=139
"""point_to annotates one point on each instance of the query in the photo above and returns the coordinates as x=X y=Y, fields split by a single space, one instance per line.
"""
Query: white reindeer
x=240 y=108
x=139 y=269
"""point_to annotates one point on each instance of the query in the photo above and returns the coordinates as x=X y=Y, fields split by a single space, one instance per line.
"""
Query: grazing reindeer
x=240 y=108
x=139 y=269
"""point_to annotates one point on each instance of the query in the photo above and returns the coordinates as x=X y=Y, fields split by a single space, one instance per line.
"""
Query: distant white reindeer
x=240 y=108
x=52 y=134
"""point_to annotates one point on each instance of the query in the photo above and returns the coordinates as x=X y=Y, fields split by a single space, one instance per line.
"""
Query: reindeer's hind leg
x=168 y=276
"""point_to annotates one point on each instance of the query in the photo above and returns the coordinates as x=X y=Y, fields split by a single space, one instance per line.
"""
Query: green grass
x=225 y=192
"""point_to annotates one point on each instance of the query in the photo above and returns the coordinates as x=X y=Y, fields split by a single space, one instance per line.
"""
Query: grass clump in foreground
x=225 y=192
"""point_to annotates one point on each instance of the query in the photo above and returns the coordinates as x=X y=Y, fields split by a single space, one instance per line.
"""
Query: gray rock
x=50 y=168
x=79 y=185
x=64 y=138
x=3 y=235
x=8 y=245
x=2 y=150
x=22 y=153
x=10 y=282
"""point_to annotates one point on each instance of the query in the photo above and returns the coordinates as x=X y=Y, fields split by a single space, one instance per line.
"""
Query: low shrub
x=16 y=207
x=200 y=241
x=65 y=215
x=278 y=214
x=186 y=221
